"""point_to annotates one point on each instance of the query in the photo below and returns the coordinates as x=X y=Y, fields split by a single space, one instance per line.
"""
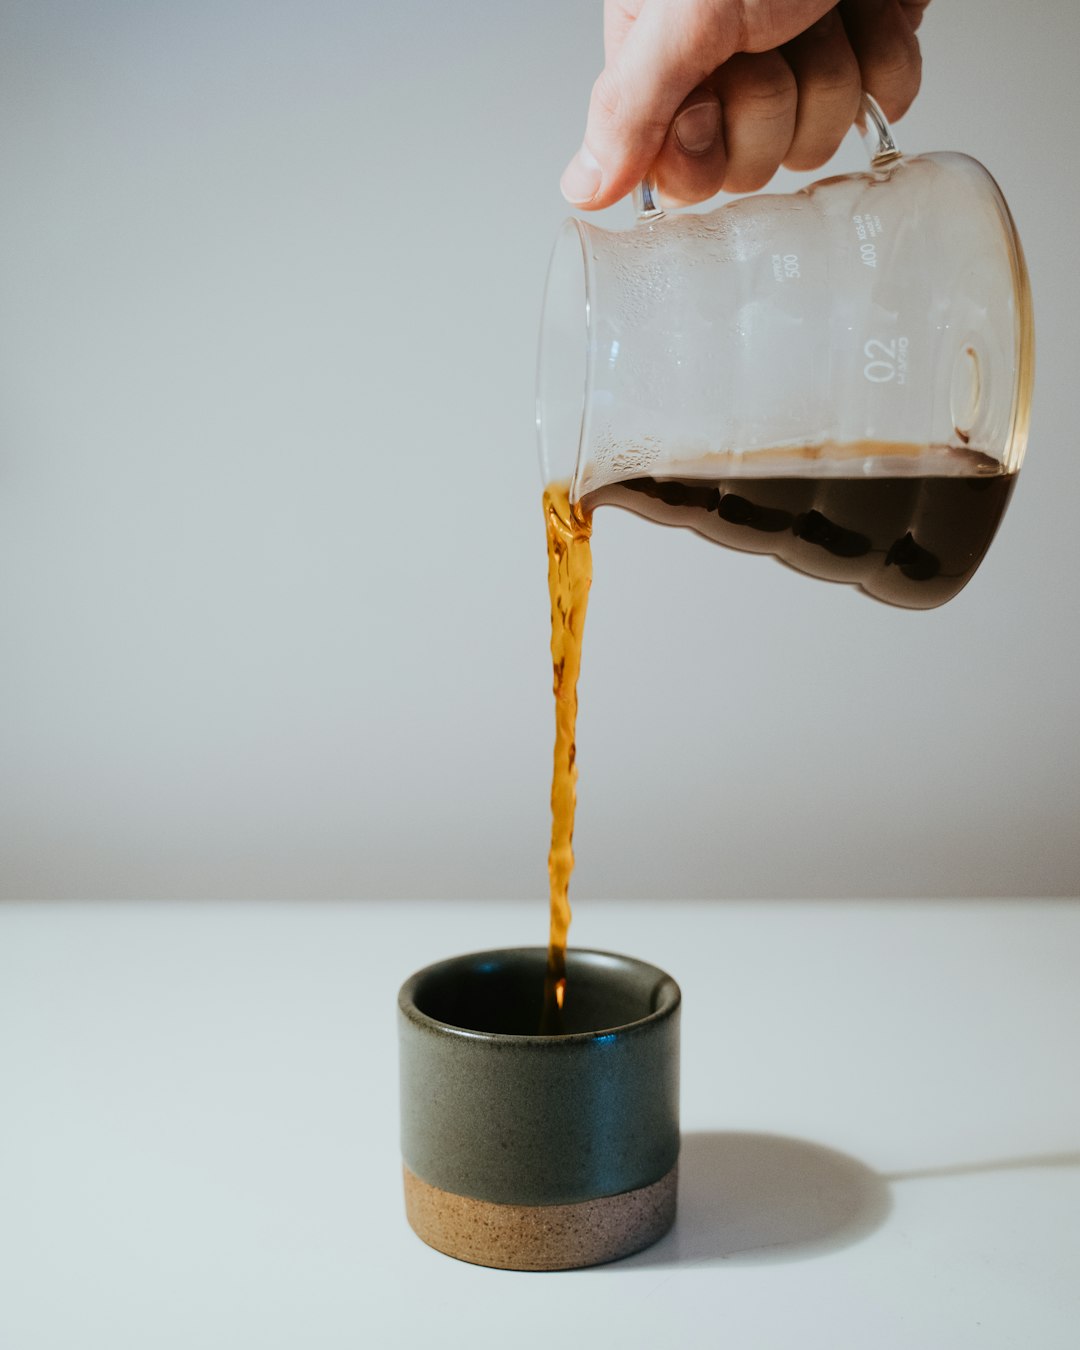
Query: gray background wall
x=272 y=584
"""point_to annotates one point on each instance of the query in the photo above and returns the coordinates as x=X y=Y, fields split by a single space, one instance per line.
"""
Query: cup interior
x=502 y=992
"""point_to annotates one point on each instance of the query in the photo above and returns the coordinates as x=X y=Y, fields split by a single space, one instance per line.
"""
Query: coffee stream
x=569 y=577
x=911 y=534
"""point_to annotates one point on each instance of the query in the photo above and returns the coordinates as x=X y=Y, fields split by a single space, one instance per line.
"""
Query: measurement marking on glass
x=886 y=361
x=785 y=267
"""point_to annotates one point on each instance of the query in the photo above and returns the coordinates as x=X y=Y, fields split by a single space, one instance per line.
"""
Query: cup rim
x=671 y=1000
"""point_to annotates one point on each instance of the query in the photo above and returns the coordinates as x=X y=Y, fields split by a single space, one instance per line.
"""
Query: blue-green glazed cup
x=539 y=1152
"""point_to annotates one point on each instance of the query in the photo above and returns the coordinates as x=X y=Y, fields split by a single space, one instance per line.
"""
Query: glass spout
x=562 y=372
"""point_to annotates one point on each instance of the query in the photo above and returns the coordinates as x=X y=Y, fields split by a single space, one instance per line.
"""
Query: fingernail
x=581 y=178
x=697 y=127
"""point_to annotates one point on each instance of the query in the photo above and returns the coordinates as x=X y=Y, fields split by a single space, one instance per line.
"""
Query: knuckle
x=683 y=181
x=607 y=96
x=898 y=67
x=760 y=85
x=824 y=61
x=913 y=11
x=751 y=180
x=808 y=154
x=837 y=80
x=625 y=118
x=739 y=14
x=825 y=32
x=901 y=71
x=895 y=94
x=771 y=95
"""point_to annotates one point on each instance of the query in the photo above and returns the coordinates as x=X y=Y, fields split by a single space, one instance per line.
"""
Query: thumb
x=670 y=49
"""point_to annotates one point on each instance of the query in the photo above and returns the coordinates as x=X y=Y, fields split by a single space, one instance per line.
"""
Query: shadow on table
x=755 y=1198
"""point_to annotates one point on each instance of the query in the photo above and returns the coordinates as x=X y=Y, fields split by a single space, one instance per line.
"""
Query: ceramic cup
x=532 y=1152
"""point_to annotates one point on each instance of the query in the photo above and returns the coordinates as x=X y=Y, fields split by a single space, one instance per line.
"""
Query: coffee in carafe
x=910 y=534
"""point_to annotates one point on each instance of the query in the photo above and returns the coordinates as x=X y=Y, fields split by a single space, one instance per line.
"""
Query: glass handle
x=873 y=127
x=876 y=133
x=645 y=204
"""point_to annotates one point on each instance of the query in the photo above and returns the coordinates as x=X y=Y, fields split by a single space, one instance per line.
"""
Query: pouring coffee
x=840 y=377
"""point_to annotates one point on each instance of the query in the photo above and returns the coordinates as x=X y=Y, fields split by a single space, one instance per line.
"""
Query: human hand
x=711 y=94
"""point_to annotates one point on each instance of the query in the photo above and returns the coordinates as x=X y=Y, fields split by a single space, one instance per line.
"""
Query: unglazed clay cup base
x=540 y=1237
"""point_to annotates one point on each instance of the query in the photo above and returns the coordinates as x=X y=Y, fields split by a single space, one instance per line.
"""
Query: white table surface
x=198 y=1130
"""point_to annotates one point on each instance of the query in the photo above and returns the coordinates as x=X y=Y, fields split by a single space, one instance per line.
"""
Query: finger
x=671 y=47
x=668 y=52
x=887 y=51
x=693 y=161
x=619 y=17
x=914 y=11
x=830 y=86
x=760 y=102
